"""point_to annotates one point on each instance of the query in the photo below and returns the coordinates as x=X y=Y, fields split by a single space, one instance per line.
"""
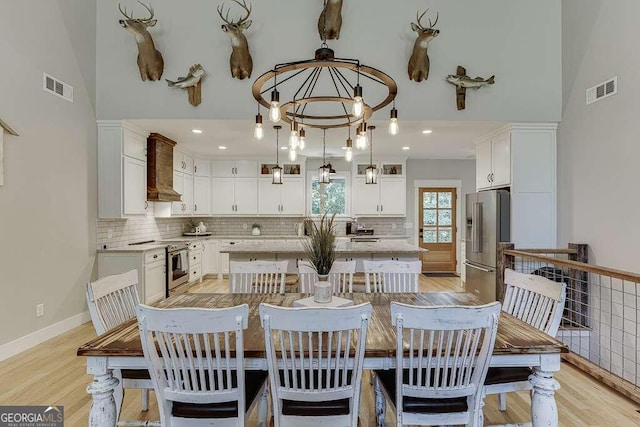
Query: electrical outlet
x=393 y=226
x=39 y=310
x=245 y=226
x=110 y=233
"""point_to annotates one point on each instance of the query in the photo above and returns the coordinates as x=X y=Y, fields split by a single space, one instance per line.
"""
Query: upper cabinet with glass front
x=295 y=169
x=390 y=168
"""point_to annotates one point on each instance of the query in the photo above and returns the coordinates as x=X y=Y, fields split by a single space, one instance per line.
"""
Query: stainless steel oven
x=177 y=266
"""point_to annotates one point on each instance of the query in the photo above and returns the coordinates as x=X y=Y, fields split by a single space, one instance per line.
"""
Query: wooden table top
x=514 y=336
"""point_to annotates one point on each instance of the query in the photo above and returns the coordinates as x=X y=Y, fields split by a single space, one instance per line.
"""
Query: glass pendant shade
x=358 y=102
x=348 y=154
x=371 y=175
x=293 y=138
x=323 y=175
x=258 y=132
x=277 y=175
x=394 y=128
x=293 y=154
x=274 y=109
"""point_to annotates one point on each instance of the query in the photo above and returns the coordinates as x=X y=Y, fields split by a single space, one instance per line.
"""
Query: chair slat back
x=341 y=276
x=257 y=277
x=307 y=277
x=195 y=355
x=392 y=276
x=444 y=350
x=320 y=351
x=112 y=300
x=534 y=299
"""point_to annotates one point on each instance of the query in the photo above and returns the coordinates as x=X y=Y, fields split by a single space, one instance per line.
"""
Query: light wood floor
x=52 y=374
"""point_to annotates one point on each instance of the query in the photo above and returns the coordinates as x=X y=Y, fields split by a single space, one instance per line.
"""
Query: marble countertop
x=135 y=248
x=341 y=247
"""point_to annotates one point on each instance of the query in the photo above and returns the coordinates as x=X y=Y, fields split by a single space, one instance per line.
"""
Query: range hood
x=160 y=169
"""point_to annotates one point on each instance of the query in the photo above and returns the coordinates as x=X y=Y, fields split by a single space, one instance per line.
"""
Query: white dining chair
x=341 y=276
x=444 y=352
x=391 y=276
x=307 y=277
x=112 y=301
x=315 y=358
x=257 y=277
x=196 y=357
x=537 y=301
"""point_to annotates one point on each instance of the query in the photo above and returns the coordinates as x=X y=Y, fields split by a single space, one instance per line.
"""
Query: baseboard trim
x=38 y=337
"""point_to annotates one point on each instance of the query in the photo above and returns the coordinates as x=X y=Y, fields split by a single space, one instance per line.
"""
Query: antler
x=241 y=20
x=130 y=17
x=431 y=24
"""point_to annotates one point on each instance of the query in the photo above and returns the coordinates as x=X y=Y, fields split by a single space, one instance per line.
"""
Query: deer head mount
x=419 y=61
x=150 y=60
x=330 y=20
x=240 y=62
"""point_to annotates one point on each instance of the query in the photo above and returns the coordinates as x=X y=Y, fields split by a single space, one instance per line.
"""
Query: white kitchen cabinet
x=151 y=267
x=386 y=198
x=234 y=196
x=195 y=261
x=201 y=167
x=183 y=184
x=210 y=257
x=234 y=168
x=201 y=195
x=281 y=199
x=122 y=170
x=523 y=158
x=493 y=162
x=182 y=162
x=135 y=186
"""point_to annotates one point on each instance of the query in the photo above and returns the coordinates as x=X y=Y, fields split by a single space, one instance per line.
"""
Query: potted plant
x=320 y=251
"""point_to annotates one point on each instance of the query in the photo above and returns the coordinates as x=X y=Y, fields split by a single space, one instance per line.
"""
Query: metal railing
x=601 y=321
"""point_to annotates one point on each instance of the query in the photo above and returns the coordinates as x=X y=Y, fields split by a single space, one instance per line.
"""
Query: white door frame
x=440 y=183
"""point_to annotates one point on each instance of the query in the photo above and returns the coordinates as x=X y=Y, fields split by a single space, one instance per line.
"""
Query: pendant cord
x=371 y=147
x=324 y=26
x=324 y=145
x=277 y=148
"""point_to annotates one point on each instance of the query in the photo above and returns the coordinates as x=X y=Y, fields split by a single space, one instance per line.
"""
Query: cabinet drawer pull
x=195 y=168
x=195 y=208
x=155 y=256
x=489 y=177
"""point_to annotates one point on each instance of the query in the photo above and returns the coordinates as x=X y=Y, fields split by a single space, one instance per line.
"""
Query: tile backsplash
x=121 y=232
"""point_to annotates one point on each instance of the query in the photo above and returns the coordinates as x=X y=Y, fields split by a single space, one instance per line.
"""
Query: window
x=329 y=198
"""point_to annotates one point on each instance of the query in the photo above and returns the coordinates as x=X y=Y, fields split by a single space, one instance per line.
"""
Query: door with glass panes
x=437 y=232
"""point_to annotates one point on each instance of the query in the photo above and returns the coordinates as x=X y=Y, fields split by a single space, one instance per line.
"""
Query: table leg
x=263 y=407
x=544 y=410
x=103 y=406
x=381 y=404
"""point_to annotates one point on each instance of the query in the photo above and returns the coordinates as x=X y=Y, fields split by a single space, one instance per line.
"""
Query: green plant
x=191 y=226
x=319 y=247
x=255 y=225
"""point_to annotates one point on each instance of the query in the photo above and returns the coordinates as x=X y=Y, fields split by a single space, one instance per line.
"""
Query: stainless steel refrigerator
x=488 y=222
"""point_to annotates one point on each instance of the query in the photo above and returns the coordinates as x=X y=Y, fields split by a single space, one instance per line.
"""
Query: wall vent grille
x=57 y=87
x=603 y=90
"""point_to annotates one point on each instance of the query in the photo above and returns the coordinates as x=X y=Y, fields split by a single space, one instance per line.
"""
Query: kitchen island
x=294 y=251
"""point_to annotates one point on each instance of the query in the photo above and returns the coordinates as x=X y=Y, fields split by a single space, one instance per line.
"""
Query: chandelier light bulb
x=293 y=155
x=258 y=132
x=274 y=109
x=293 y=140
x=358 y=102
x=301 y=139
x=348 y=155
x=394 y=128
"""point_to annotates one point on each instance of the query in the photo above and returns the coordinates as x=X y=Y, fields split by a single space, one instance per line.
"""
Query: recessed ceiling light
x=406 y=148
x=221 y=147
x=427 y=131
x=198 y=131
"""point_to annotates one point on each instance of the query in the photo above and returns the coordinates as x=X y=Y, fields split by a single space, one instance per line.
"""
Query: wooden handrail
x=618 y=274
x=566 y=251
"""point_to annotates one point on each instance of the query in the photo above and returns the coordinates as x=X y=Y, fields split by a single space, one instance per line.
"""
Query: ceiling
x=448 y=140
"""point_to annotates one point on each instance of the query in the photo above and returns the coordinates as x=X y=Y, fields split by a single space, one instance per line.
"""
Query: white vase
x=322 y=290
x=255 y=231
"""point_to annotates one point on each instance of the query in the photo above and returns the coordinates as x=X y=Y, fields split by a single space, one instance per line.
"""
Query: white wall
x=598 y=147
x=48 y=204
x=518 y=41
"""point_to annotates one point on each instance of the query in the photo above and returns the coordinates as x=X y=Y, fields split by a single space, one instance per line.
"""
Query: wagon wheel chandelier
x=340 y=100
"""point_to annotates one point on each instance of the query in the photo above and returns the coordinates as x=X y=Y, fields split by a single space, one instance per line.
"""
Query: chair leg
x=145 y=399
x=263 y=407
x=502 y=401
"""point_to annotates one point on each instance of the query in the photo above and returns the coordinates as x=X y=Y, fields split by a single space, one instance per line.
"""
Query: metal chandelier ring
x=342 y=120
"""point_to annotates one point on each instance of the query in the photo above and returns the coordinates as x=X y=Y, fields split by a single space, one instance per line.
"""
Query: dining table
x=518 y=344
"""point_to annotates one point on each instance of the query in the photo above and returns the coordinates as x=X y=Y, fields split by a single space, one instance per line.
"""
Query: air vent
x=603 y=90
x=57 y=87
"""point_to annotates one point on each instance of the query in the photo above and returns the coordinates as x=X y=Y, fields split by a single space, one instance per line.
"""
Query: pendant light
x=293 y=137
x=348 y=154
x=274 y=105
x=301 y=138
x=358 y=101
x=277 y=170
x=361 y=137
x=324 y=171
x=371 y=173
x=258 y=132
x=394 y=128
